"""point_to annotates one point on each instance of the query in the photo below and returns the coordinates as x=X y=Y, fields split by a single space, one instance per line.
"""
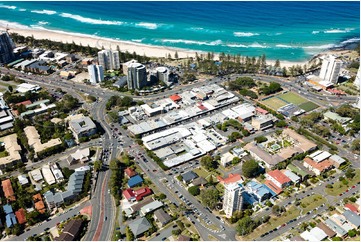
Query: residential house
x=200 y=181
x=71 y=231
x=10 y=216
x=150 y=207
x=278 y=178
x=352 y=208
x=336 y=228
x=315 y=234
x=139 y=226
x=38 y=203
x=142 y=192
x=292 y=176
x=21 y=216
x=352 y=218
x=81 y=155
x=189 y=177
x=330 y=233
x=135 y=181
x=23 y=180
x=232 y=178
x=183 y=238
x=129 y=194
x=226 y=159
x=317 y=167
x=129 y=172
x=8 y=190
x=162 y=217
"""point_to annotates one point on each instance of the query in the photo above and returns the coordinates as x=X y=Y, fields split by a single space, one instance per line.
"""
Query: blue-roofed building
x=134 y=181
x=10 y=220
x=8 y=209
x=258 y=191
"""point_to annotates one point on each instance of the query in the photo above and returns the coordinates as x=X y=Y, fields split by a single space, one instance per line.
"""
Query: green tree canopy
x=194 y=190
x=209 y=197
x=209 y=163
x=250 y=168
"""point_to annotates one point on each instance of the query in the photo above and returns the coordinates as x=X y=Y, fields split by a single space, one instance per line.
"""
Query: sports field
x=289 y=97
x=308 y=106
x=274 y=103
x=292 y=97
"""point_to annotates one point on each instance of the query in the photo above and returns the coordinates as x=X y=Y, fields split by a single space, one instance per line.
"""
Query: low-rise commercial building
x=82 y=127
x=263 y=122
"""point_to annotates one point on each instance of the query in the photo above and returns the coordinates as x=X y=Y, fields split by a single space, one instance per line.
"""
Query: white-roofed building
x=206 y=146
x=315 y=234
x=57 y=172
x=36 y=175
x=26 y=87
x=150 y=207
x=230 y=114
x=23 y=180
x=292 y=176
x=245 y=111
x=337 y=160
x=226 y=159
x=320 y=156
x=81 y=155
x=48 y=175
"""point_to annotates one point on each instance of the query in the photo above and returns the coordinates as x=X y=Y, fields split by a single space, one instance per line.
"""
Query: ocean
x=292 y=31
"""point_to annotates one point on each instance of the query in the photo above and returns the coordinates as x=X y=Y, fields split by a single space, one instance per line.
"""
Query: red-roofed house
x=232 y=178
x=273 y=186
x=129 y=194
x=142 y=192
x=27 y=102
x=319 y=167
x=175 y=98
x=130 y=172
x=261 y=111
x=20 y=215
x=352 y=208
x=278 y=178
x=8 y=190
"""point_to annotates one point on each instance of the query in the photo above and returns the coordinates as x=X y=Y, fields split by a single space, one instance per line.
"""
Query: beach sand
x=140 y=49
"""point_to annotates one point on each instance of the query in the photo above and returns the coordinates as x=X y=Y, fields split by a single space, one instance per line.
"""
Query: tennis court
x=308 y=106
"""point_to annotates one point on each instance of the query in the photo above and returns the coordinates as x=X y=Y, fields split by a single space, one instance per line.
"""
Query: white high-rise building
x=137 y=76
x=232 y=200
x=330 y=69
x=109 y=59
x=163 y=75
x=96 y=73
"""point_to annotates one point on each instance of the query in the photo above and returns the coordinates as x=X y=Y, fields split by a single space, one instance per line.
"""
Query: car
x=105 y=218
x=353 y=186
x=164 y=238
x=347 y=190
x=340 y=194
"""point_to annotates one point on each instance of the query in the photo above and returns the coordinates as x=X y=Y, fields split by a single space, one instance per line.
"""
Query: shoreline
x=140 y=49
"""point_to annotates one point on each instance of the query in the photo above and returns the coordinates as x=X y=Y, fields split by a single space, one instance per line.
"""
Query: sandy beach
x=151 y=51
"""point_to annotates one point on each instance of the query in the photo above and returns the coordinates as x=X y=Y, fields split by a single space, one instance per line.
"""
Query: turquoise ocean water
x=292 y=31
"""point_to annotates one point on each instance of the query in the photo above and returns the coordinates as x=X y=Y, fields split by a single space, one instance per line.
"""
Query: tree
x=209 y=197
x=250 y=168
x=352 y=233
x=260 y=139
x=350 y=173
x=176 y=232
x=209 y=163
x=162 y=196
x=234 y=136
x=114 y=117
x=194 y=190
x=97 y=165
x=281 y=124
x=129 y=234
x=176 y=55
x=245 y=226
x=355 y=145
x=10 y=88
x=277 y=210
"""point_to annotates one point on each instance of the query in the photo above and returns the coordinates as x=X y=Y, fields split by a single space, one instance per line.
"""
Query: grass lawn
x=292 y=97
x=201 y=172
x=116 y=233
x=274 y=222
x=274 y=103
x=339 y=187
x=308 y=106
x=312 y=202
x=3 y=153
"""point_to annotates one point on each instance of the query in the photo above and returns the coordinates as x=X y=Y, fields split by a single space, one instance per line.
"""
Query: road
x=101 y=225
x=40 y=228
